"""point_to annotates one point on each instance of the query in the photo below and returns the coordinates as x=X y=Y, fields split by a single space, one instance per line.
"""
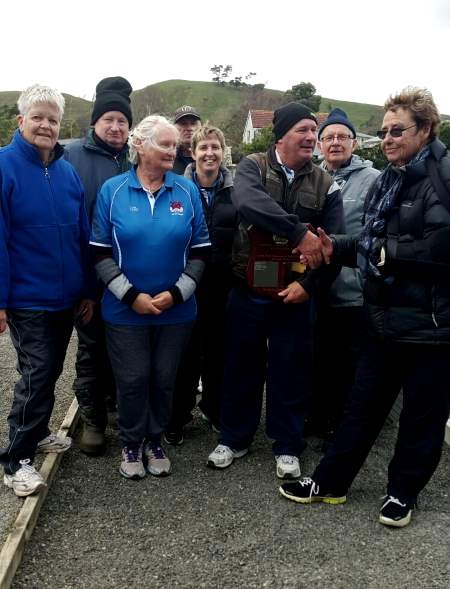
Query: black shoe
x=307 y=491
x=174 y=438
x=395 y=513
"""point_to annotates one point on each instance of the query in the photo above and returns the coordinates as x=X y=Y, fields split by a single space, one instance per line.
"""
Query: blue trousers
x=384 y=369
x=267 y=342
x=40 y=339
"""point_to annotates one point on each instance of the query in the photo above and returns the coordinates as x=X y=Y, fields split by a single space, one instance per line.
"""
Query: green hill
x=224 y=106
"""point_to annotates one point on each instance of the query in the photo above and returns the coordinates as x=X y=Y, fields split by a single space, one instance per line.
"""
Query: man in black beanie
x=103 y=153
x=279 y=195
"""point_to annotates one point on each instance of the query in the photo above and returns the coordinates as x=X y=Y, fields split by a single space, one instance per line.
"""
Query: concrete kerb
x=13 y=549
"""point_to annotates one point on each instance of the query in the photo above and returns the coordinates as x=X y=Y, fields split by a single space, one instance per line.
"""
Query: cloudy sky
x=356 y=50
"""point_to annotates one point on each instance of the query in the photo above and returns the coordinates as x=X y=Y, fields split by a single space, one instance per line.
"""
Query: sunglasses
x=394 y=132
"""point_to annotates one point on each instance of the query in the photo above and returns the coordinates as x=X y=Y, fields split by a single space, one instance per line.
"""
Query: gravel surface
x=224 y=529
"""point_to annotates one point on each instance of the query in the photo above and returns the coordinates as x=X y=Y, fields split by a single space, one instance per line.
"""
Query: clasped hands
x=145 y=304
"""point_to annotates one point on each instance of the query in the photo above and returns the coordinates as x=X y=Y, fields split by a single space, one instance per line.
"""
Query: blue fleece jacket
x=44 y=231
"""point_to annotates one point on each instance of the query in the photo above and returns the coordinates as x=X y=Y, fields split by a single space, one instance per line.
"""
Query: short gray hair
x=38 y=94
x=145 y=133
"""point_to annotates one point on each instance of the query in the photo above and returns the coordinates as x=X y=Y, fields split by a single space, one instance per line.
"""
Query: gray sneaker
x=24 y=481
x=157 y=462
x=54 y=443
x=131 y=466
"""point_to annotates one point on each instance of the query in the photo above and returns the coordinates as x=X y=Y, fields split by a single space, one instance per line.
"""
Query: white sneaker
x=288 y=467
x=24 y=481
x=54 y=443
x=223 y=456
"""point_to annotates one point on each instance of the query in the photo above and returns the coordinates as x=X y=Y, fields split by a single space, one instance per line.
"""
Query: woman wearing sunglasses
x=404 y=253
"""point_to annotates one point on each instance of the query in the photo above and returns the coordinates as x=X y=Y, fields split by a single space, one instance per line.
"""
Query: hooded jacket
x=354 y=181
x=44 y=231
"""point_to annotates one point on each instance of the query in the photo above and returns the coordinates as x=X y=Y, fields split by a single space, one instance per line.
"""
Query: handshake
x=314 y=249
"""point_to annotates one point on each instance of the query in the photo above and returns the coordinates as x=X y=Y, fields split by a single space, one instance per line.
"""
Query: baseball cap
x=185 y=111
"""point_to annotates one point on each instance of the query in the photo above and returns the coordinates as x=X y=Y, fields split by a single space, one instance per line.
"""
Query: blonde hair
x=145 y=133
x=204 y=132
x=420 y=103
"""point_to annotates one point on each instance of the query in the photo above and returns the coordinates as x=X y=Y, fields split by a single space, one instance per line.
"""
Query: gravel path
x=205 y=528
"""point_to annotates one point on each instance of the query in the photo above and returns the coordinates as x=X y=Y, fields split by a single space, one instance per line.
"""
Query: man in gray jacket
x=103 y=153
x=339 y=311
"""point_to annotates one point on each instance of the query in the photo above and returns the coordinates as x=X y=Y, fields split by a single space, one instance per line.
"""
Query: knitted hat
x=112 y=94
x=337 y=117
x=285 y=117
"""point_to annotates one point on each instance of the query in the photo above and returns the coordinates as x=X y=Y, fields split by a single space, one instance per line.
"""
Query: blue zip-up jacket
x=44 y=231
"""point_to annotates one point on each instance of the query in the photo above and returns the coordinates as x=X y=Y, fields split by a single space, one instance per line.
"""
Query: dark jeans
x=40 y=339
x=384 y=368
x=145 y=361
x=94 y=383
x=203 y=357
x=269 y=343
x=338 y=337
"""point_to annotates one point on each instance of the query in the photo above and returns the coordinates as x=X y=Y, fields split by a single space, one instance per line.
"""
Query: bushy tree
x=8 y=123
x=260 y=143
x=305 y=92
x=374 y=154
x=444 y=134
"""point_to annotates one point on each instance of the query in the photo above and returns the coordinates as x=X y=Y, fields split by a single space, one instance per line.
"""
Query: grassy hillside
x=224 y=106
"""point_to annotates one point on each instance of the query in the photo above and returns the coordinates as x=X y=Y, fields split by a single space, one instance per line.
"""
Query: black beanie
x=337 y=117
x=285 y=117
x=112 y=94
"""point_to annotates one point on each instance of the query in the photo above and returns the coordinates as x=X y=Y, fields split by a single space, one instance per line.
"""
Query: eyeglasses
x=394 y=132
x=339 y=138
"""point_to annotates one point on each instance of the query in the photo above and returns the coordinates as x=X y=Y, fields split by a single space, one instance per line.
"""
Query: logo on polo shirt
x=134 y=209
x=176 y=207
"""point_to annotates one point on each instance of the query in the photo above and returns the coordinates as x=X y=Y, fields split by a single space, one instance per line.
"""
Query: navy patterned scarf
x=381 y=200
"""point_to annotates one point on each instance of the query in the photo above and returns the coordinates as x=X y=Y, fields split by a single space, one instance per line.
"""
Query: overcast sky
x=355 y=50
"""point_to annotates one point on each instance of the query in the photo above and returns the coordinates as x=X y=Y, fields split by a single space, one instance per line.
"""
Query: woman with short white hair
x=149 y=239
x=44 y=267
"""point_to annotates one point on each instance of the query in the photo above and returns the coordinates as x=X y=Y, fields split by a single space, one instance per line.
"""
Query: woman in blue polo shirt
x=149 y=239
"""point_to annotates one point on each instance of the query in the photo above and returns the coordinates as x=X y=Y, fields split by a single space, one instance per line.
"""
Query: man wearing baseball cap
x=187 y=120
x=103 y=153
x=282 y=195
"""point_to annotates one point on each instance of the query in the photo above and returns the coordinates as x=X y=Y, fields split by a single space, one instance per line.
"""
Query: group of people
x=326 y=286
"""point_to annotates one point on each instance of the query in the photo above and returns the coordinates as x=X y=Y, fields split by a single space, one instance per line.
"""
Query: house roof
x=261 y=118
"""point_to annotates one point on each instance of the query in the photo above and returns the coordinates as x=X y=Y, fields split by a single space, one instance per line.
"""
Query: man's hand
x=2 y=320
x=163 y=300
x=85 y=311
x=294 y=293
x=143 y=305
x=310 y=247
x=327 y=249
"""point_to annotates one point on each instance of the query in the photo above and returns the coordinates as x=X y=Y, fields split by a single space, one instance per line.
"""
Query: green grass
x=224 y=106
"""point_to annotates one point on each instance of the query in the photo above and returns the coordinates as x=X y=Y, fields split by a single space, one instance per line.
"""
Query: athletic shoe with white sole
x=131 y=466
x=288 y=467
x=395 y=513
x=308 y=491
x=25 y=481
x=223 y=456
x=158 y=463
x=54 y=443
